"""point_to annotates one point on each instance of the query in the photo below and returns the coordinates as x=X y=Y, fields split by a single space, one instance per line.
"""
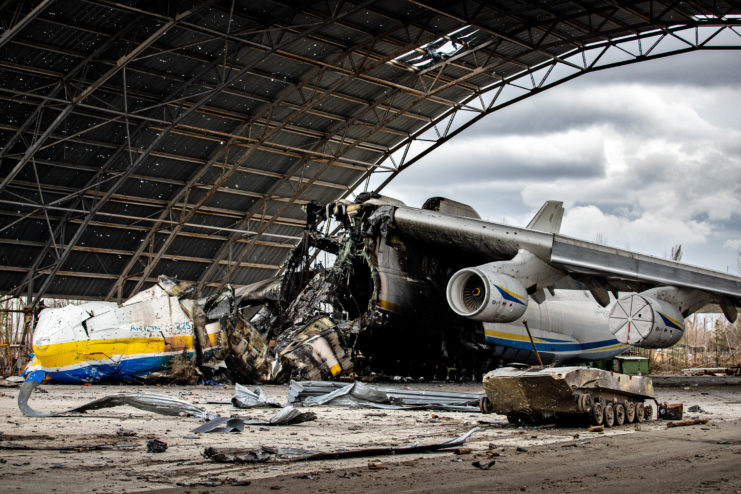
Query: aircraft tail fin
x=548 y=219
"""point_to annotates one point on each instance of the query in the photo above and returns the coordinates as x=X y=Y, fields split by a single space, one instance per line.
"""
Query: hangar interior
x=185 y=138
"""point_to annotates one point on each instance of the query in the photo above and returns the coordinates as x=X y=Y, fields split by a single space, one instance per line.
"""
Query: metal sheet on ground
x=117 y=462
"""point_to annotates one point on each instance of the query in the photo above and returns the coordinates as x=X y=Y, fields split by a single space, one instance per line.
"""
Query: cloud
x=733 y=243
x=648 y=155
x=648 y=232
x=705 y=69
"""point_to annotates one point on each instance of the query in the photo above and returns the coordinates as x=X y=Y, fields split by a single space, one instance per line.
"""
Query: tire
x=630 y=412
x=485 y=405
x=640 y=412
x=598 y=417
x=619 y=414
x=609 y=415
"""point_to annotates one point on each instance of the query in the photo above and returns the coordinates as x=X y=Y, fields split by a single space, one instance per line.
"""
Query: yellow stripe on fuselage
x=517 y=337
x=605 y=348
x=75 y=352
x=511 y=293
x=511 y=336
x=390 y=306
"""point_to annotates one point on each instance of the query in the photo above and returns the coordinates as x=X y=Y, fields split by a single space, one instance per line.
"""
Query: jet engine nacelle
x=484 y=294
x=646 y=322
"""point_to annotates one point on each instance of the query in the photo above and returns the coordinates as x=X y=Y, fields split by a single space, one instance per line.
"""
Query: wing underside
x=595 y=267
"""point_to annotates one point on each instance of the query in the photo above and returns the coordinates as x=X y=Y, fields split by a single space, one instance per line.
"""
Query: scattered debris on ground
x=286 y=416
x=156 y=403
x=359 y=394
x=683 y=423
x=154 y=445
x=671 y=411
x=244 y=398
x=265 y=454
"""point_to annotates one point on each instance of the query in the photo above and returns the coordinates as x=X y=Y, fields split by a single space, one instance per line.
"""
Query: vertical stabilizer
x=548 y=219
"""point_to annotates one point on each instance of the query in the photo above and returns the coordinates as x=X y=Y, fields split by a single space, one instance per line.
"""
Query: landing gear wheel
x=619 y=414
x=597 y=416
x=609 y=415
x=485 y=405
x=640 y=412
x=630 y=412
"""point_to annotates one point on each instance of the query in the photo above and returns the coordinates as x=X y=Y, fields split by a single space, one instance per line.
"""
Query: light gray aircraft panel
x=583 y=257
x=622 y=269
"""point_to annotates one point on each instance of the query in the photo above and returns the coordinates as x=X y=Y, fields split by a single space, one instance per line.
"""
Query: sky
x=644 y=157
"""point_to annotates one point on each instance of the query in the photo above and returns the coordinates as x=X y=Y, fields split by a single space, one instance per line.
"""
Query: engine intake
x=485 y=295
x=646 y=322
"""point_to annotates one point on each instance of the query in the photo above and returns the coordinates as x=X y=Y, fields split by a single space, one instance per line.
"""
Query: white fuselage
x=568 y=325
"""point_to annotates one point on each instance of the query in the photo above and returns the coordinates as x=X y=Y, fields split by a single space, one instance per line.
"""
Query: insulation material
x=249 y=358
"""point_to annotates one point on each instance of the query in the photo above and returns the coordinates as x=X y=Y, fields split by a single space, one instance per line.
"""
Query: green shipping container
x=630 y=365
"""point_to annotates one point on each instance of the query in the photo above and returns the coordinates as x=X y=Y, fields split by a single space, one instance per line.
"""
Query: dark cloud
x=547 y=113
x=648 y=154
x=500 y=203
x=504 y=166
x=566 y=107
x=704 y=68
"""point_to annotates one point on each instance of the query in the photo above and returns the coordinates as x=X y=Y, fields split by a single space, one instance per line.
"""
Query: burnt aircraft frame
x=183 y=138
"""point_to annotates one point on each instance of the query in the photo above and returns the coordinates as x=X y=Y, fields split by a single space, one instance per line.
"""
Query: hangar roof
x=183 y=137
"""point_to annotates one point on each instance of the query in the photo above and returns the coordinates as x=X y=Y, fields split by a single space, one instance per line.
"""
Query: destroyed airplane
x=434 y=292
x=156 y=330
x=439 y=293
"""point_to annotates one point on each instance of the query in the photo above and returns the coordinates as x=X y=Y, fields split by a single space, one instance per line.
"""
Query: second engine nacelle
x=485 y=295
x=646 y=322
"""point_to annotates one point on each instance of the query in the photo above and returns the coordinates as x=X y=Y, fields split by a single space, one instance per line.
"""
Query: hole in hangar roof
x=444 y=47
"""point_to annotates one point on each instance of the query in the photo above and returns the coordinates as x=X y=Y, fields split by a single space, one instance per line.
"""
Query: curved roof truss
x=182 y=138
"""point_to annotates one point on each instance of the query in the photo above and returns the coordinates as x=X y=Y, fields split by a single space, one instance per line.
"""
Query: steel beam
x=18 y=26
x=120 y=64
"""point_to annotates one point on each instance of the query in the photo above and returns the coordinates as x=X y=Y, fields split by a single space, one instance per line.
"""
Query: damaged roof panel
x=158 y=90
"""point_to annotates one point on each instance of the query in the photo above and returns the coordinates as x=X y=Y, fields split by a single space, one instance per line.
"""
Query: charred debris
x=354 y=299
x=322 y=322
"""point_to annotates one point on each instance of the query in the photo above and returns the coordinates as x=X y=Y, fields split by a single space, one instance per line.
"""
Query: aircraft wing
x=576 y=256
x=598 y=267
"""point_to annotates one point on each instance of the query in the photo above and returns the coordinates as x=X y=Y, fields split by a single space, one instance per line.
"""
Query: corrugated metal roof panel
x=301 y=103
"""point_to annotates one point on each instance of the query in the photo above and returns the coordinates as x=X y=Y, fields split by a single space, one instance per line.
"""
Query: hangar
x=184 y=137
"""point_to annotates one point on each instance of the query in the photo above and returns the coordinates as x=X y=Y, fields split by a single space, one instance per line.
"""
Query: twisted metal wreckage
x=314 y=322
x=433 y=292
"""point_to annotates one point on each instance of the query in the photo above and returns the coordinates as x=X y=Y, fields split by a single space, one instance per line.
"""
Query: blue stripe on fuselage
x=508 y=295
x=671 y=323
x=551 y=346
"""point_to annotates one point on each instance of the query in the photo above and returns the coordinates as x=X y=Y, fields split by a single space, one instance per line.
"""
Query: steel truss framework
x=182 y=138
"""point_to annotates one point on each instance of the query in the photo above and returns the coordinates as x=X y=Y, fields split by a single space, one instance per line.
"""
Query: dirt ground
x=105 y=450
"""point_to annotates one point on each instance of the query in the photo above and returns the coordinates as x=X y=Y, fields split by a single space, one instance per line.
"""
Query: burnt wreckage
x=379 y=308
x=433 y=292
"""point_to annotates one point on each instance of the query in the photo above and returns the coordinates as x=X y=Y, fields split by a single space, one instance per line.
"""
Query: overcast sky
x=644 y=157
